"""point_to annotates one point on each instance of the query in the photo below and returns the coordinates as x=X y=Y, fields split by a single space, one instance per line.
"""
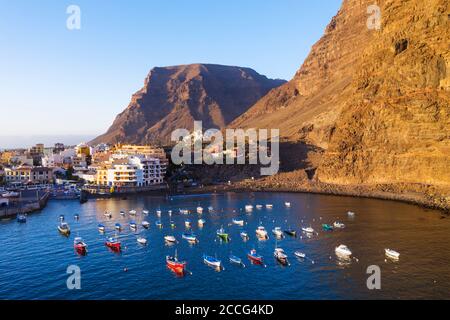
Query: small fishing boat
x=269 y=206
x=338 y=225
x=237 y=221
x=211 y=261
x=61 y=217
x=392 y=254
x=172 y=224
x=350 y=213
x=236 y=260
x=222 y=234
x=254 y=257
x=199 y=210
x=244 y=235
x=281 y=256
x=201 y=222
x=101 y=228
x=300 y=254
x=122 y=213
x=249 y=208
x=22 y=218
x=277 y=232
x=107 y=214
x=79 y=245
x=133 y=225
x=262 y=233
x=210 y=209
x=170 y=213
x=327 y=227
x=76 y=216
x=187 y=223
x=184 y=211
x=64 y=228
x=113 y=243
x=290 y=232
x=132 y=212
x=145 y=212
x=171 y=239
x=159 y=224
x=158 y=213
x=343 y=251
x=259 y=206
x=175 y=265
x=145 y=224
x=287 y=204
x=308 y=230
x=142 y=240
x=118 y=226
x=190 y=237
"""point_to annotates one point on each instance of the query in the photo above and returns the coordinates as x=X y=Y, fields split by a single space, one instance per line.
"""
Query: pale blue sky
x=55 y=81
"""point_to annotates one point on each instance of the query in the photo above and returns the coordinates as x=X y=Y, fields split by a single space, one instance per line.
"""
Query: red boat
x=113 y=243
x=79 y=245
x=175 y=265
x=254 y=257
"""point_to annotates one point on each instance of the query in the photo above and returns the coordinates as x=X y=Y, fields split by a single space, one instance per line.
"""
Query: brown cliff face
x=377 y=103
x=173 y=97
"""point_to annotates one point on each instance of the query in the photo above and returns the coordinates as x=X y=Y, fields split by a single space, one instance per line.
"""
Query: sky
x=72 y=83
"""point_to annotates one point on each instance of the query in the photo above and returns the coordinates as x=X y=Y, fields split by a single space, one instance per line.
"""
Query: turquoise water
x=34 y=256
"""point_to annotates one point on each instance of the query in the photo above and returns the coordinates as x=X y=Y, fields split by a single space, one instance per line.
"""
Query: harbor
x=310 y=247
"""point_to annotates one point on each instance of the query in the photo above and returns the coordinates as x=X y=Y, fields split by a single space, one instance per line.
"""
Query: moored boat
x=338 y=225
x=222 y=234
x=261 y=233
x=249 y=208
x=158 y=213
x=308 y=229
x=327 y=227
x=132 y=212
x=79 y=245
x=244 y=235
x=113 y=243
x=64 y=228
x=145 y=224
x=281 y=256
x=101 y=228
x=392 y=254
x=133 y=225
x=187 y=223
x=269 y=206
x=259 y=206
x=290 y=232
x=236 y=260
x=287 y=204
x=343 y=251
x=122 y=213
x=107 y=214
x=277 y=232
x=21 y=218
x=76 y=216
x=118 y=226
x=254 y=257
x=210 y=209
x=158 y=224
x=175 y=265
x=213 y=262
x=145 y=212
x=350 y=213
x=199 y=210
x=171 y=239
x=300 y=254
x=238 y=221
x=201 y=222
x=190 y=237
x=142 y=240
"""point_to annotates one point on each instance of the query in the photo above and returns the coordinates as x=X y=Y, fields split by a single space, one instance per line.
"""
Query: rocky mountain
x=370 y=108
x=173 y=97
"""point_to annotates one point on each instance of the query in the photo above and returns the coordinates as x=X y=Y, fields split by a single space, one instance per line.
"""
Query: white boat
x=280 y=255
x=239 y=222
x=351 y=214
x=170 y=213
x=249 y=208
x=122 y=213
x=145 y=212
x=287 y=204
x=244 y=235
x=392 y=253
x=184 y=211
x=132 y=212
x=210 y=209
x=308 y=230
x=277 y=232
x=142 y=240
x=187 y=223
x=158 y=213
x=300 y=254
x=170 y=239
x=201 y=222
x=259 y=206
x=262 y=233
x=269 y=206
x=338 y=225
x=343 y=251
x=199 y=210
x=145 y=224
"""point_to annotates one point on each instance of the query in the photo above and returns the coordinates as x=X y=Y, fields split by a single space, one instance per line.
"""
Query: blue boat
x=101 y=227
x=21 y=218
x=189 y=236
x=118 y=226
x=133 y=225
x=211 y=261
x=236 y=260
